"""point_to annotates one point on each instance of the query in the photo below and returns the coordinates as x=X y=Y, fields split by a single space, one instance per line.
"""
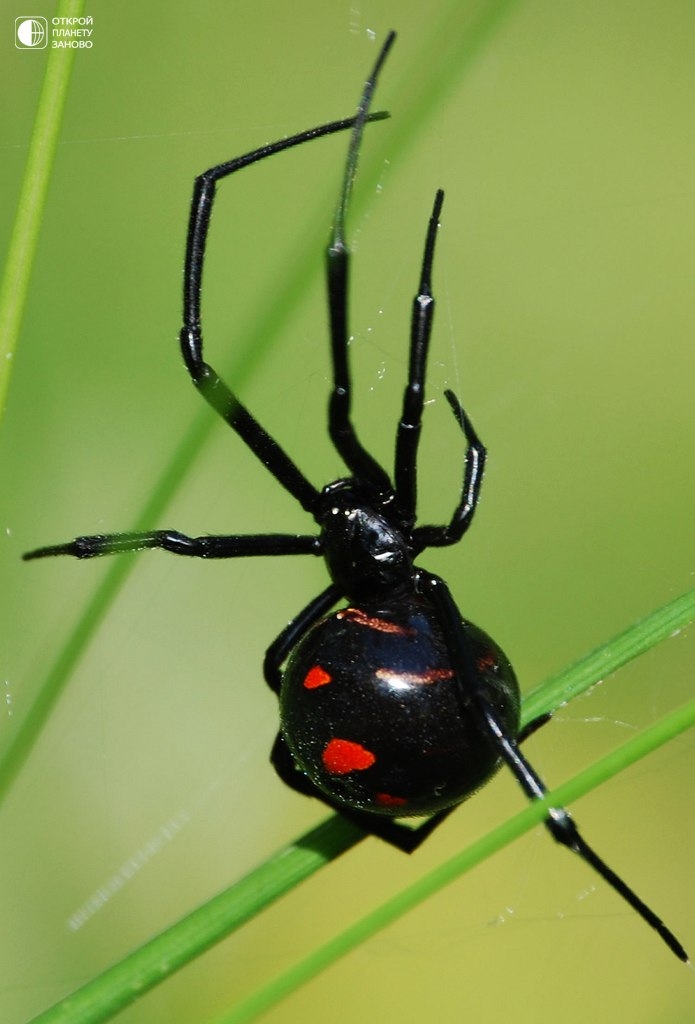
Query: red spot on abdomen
x=316 y=676
x=343 y=756
x=389 y=800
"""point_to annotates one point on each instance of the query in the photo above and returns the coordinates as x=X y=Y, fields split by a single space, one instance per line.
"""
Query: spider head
x=366 y=550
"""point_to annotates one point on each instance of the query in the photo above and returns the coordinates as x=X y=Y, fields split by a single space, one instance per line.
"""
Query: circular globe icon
x=31 y=32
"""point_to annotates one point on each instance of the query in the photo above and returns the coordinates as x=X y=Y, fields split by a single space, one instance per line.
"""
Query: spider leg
x=358 y=460
x=206 y=380
x=179 y=544
x=406 y=838
x=533 y=726
x=283 y=644
x=474 y=467
x=563 y=829
x=408 y=435
x=559 y=822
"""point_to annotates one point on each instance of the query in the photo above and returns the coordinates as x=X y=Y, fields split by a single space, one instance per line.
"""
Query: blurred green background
x=565 y=320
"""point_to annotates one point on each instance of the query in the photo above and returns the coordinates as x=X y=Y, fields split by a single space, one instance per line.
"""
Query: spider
x=391 y=706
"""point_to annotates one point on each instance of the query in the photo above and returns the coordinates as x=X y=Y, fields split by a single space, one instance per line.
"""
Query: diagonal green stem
x=120 y=985
x=609 y=657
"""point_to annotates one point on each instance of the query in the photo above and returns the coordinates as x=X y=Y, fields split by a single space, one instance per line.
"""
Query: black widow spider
x=394 y=705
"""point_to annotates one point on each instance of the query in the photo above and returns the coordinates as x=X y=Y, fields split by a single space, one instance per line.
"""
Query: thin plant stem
x=32 y=198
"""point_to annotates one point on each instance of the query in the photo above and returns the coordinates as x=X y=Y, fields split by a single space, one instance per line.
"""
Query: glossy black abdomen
x=373 y=714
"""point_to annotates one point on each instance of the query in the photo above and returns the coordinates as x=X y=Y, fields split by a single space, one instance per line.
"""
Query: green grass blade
x=121 y=984
x=607 y=658
x=32 y=198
